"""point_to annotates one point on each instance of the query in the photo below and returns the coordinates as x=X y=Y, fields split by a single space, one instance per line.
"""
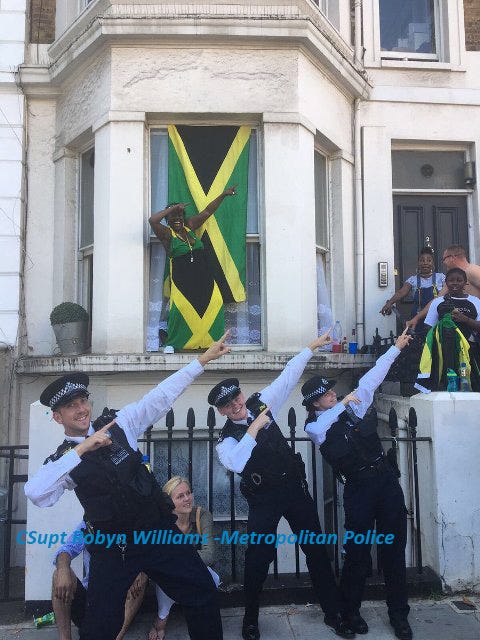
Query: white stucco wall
x=449 y=480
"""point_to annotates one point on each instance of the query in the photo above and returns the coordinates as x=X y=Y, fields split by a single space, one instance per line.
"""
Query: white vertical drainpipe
x=358 y=177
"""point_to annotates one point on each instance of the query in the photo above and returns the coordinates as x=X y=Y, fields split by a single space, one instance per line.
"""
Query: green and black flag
x=202 y=162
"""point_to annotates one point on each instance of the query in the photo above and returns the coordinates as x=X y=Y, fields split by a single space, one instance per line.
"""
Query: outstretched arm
x=196 y=221
x=138 y=416
x=386 y=310
x=278 y=391
x=369 y=383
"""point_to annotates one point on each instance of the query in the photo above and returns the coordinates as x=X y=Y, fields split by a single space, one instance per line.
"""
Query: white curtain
x=324 y=309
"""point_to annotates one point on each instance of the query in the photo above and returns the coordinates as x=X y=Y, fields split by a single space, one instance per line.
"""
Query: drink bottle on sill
x=337 y=337
x=352 y=345
x=464 y=381
x=452 y=380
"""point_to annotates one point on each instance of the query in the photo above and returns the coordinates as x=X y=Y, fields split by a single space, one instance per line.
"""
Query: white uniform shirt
x=234 y=455
x=367 y=385
x=51 y=480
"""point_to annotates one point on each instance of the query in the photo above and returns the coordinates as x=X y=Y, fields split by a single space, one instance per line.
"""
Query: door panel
x=419 y=220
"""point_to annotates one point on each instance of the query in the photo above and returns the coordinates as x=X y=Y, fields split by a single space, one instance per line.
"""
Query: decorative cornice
x=299 y=23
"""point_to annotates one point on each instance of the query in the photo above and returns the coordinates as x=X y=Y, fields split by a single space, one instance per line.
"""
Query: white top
x=234 y=455
x=426 y=282
x=51 y=480
x=432 y=315
x=367 y=385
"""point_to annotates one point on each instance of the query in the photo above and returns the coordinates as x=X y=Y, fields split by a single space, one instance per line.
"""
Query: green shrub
x=68 y=312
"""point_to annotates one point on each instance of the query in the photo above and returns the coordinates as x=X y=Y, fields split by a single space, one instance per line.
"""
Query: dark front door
x=438 y=221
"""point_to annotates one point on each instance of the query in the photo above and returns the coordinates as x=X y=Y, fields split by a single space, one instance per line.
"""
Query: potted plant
x=70 y=324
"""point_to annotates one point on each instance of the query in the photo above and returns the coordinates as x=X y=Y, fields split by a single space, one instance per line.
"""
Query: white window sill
x=236 y=361
x=419 y=64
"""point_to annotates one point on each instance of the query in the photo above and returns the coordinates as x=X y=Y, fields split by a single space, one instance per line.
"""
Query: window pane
x=428 y=169
x=221 y=479
x=324 y=310
x=408 y=25
x=243 y=318
x=321 y=200
x=87 y=163
x=159 y=181
x=252 y=201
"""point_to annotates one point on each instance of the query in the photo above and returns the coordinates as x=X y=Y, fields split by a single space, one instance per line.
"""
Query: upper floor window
x=194 y=165
x=408 y=29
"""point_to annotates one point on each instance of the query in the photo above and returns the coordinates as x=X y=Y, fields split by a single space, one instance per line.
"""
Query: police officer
x=347 y=434
x=120 y=496
x=274 y=485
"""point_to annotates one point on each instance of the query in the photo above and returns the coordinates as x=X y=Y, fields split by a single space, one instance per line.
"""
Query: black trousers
x=292 y=501
x=375 y=503
x=177 y=569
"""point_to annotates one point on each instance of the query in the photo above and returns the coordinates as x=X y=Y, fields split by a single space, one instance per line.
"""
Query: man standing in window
x=121 y=497
x=274 y=485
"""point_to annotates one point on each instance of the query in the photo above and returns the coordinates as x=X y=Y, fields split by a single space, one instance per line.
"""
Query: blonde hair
x=173 y=483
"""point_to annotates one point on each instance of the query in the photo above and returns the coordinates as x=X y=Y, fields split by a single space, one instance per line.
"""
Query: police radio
x=255 y=405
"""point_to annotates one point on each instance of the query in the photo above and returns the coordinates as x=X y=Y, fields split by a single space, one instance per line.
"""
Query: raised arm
x=136 y=417
x=196 y=221
x=278 y=391
x=162 y=231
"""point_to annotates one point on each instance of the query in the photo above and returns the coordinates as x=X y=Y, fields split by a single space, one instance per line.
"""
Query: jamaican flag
x=202 y=162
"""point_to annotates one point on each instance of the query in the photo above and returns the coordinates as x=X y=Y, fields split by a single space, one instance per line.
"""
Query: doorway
x=420 y=220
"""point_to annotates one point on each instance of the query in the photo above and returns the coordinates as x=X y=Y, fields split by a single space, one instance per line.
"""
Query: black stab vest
x=272 y=459
x=352 y=443
x=116 y=490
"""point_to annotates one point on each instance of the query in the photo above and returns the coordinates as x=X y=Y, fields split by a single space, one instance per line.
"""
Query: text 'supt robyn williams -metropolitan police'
x=167 y=536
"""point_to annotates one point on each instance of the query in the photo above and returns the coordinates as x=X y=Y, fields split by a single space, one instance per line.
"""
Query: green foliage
x=68 y=312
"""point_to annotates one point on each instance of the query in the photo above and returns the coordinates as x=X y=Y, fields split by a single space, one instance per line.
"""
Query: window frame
x=450 y=35
x=85 y=254
x=412 y=55
x=250 y=238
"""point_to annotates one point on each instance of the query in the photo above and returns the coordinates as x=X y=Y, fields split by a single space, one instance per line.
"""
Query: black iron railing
x=11 y=453
x=188 y=436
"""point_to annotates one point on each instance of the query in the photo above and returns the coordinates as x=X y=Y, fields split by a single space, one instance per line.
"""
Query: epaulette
x=232 y=430
x=62 y=450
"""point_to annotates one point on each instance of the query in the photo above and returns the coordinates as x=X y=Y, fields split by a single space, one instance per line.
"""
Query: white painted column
x=65 y=226
x=378 y=227
x=119 y=230
x=289 y=236
x=449 y=481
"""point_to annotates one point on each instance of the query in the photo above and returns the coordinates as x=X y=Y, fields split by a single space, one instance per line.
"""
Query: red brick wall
x=42 y=21
x=472 y=24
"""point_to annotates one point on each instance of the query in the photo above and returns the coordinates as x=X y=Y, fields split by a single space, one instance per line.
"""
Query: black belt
x=377 y=468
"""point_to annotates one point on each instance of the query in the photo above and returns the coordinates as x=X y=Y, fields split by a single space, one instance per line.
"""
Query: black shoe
x=250 y=631
x=357 y=623
x=342 y=628
x=402 y=629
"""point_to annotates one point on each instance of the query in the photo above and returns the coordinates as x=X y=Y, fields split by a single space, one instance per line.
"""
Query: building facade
x=365 y=120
